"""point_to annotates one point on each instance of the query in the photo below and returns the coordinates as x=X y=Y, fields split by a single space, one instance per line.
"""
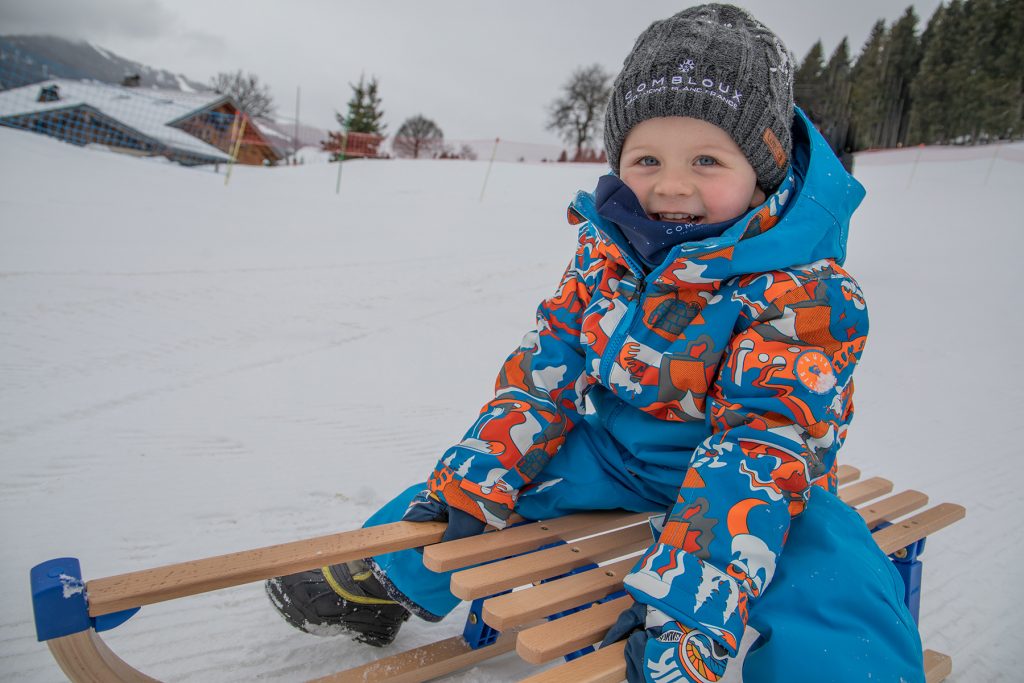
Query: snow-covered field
x=188 y=369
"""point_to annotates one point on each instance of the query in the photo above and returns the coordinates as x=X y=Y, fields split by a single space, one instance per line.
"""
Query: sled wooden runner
x=573 y=564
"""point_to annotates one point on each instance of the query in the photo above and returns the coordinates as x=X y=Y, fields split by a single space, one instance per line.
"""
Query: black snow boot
x=342 y=598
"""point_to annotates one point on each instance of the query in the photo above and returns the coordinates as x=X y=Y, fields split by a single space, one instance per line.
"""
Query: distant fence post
x=295 y=143
x=341 y=160
x=494 y=152
x=913 y=169
x=995 y=153
x=234 y=150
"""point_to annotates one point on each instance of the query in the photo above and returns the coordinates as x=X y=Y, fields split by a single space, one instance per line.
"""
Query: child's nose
x=675 y=183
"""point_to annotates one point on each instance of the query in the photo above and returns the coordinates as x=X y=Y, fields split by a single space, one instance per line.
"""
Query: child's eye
x=647 y=161
x=706 y=161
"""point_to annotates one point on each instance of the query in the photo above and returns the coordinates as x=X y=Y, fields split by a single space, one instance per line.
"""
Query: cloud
x=142 y=30
x=95 y=19
x=201 y=44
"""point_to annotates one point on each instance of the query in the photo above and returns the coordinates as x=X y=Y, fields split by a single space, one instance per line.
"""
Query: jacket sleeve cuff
x=692 y=592
x=492 y=506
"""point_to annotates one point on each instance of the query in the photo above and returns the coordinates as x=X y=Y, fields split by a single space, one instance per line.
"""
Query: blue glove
x=428 y=506
x=661 y=649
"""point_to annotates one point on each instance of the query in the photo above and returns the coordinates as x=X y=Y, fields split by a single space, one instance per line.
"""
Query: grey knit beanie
x=716 y=63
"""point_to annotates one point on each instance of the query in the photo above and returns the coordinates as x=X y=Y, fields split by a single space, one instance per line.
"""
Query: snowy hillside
x=188 y=369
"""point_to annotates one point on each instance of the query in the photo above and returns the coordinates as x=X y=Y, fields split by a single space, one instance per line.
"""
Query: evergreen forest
x=957 y=80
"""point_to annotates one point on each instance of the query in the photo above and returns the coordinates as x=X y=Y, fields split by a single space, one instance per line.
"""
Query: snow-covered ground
x=188 y=369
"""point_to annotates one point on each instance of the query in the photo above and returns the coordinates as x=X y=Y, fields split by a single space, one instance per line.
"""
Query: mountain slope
x=28 y=59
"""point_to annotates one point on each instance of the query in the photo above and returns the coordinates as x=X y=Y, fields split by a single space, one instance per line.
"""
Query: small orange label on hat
x=775 y=146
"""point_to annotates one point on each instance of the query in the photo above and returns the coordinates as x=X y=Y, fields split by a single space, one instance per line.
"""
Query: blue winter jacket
x=731 y=362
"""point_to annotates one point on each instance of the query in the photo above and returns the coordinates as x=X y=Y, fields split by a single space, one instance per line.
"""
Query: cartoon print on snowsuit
x=746 y=341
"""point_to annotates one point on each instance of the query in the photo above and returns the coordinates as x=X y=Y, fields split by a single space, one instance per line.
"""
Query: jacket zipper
x=623 y=328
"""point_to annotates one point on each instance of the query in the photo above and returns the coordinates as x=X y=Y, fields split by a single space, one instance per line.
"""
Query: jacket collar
x=807 y=223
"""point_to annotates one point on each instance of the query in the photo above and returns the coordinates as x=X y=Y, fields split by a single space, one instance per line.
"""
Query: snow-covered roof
x=148 y=111
x=270 y=129
x=282 y=133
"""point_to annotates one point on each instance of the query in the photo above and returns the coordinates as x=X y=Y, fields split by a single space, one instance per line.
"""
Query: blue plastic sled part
x=909 y=567
x=60 y=603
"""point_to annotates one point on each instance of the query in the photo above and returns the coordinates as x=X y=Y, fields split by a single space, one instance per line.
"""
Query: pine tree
x=1009 y=65
x=937 y=92
x=364 y=116
x=364 y=112
x=809 y=86
x=900 y=64
x=976 y=33
x=971 y=90
x=930 y=88
x=866 y=99
x=960 y=81
x=995 y=54
x=836 y=87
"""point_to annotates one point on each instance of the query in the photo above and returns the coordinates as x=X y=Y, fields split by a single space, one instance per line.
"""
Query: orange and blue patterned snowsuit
x=722 y=381
x=746 y=341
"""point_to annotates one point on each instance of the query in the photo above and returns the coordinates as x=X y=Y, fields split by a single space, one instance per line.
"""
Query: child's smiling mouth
x=676 y=217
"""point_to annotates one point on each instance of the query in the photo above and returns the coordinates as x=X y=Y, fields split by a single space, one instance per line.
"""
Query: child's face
x=687 y=170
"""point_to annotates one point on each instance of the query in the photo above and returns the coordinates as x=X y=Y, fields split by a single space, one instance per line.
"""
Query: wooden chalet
x=189 y=128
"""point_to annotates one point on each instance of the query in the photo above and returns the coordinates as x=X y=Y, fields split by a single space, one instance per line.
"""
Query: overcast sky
x=479 y=68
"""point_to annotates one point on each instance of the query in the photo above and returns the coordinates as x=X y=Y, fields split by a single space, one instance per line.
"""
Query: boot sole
x=362 y=623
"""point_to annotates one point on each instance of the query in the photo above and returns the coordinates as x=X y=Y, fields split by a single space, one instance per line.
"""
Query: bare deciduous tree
x=577 y=114
x=418 y=136
x=249 y=94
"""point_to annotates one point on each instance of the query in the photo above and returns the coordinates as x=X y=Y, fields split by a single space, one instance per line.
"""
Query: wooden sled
x=546 y=589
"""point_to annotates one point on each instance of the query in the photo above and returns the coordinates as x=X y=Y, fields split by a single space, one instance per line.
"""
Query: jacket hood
x=814 y=223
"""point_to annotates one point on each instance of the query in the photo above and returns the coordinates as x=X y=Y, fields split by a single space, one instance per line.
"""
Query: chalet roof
x=146 y=110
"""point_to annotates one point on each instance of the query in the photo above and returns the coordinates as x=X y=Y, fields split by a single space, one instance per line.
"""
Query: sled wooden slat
x=863 y=491
x=423 y=663
x=489 y=579
x=936 y=666
x=149 y=586
x=607 y=665
x=512 y=609
x=570 y=633
x=846 y=474
x=907 y=531
x=893 y=507
x=611 y=537
x=512 y=541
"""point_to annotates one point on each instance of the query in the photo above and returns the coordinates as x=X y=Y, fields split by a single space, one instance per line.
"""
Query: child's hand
x=428 y=506
x=660 y=648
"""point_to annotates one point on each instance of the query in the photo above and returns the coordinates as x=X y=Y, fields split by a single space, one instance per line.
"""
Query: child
x=697 y=357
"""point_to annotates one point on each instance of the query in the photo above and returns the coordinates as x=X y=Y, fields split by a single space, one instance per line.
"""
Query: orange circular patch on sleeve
x=814 y=370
